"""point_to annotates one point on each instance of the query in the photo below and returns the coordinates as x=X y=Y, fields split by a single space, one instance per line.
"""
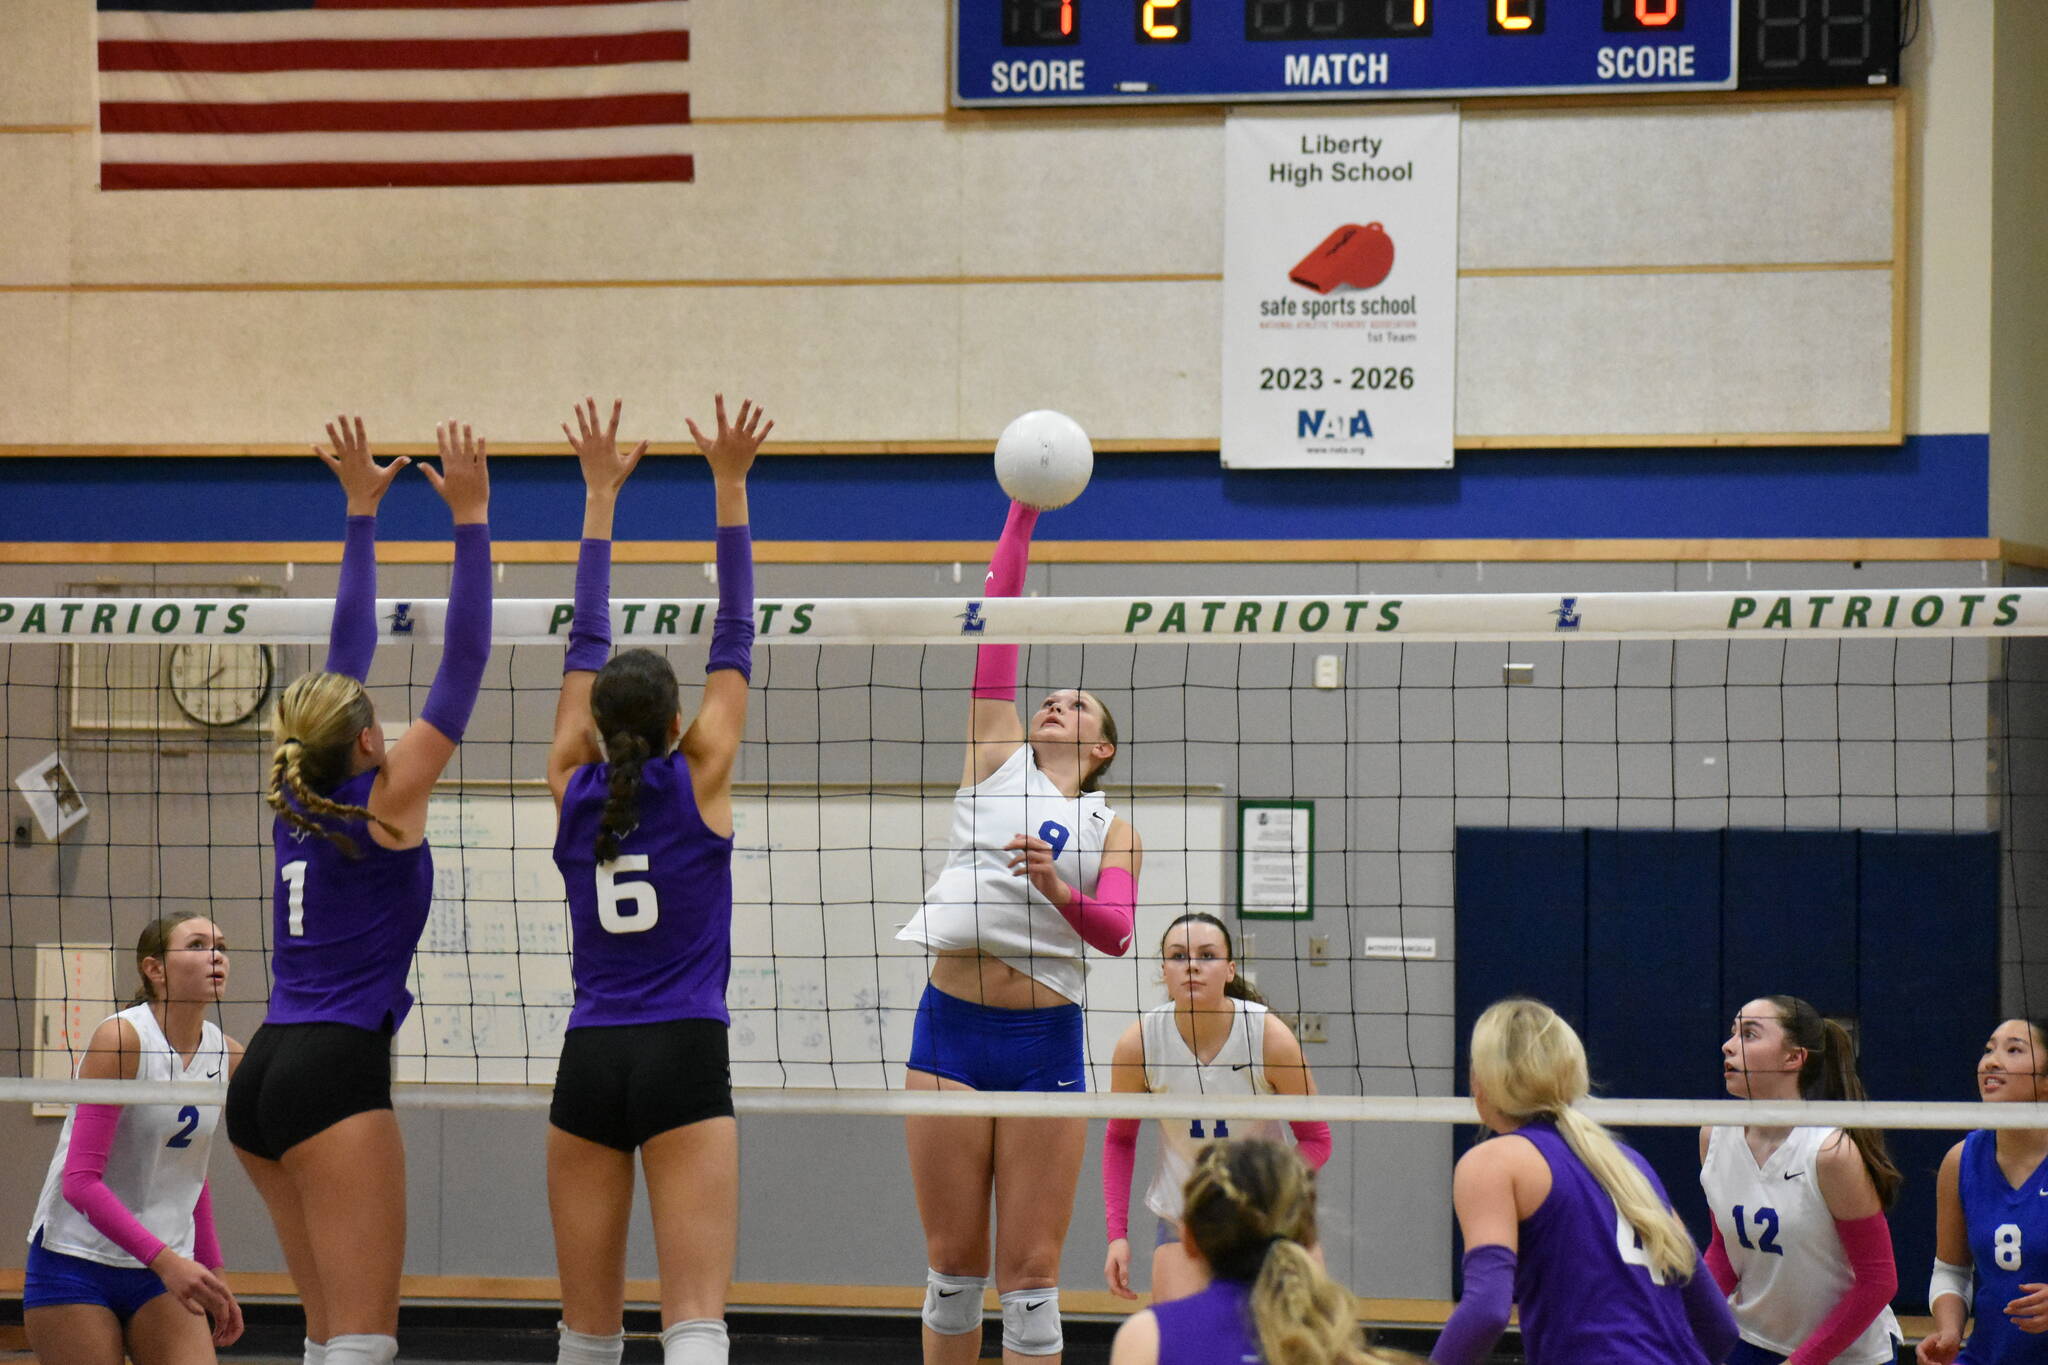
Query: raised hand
x=362 y=478
x=605 y=471
x=464 y=480
x=731 y=452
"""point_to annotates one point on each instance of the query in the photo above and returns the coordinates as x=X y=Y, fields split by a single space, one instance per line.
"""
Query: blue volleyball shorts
x=54 y=1279
x=994 y=1049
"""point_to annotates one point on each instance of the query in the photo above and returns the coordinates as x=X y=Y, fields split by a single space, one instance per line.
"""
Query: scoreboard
x=1081 y=52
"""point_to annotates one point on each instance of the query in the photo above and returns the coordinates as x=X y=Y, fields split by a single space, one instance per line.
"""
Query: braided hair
x=318 y=719
x=634 y=704
x=1250 y=1206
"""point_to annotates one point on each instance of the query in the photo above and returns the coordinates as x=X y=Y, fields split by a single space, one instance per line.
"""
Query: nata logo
x=970 y=620
x=1352 y=256
x=1567 y=613
x=401 y=619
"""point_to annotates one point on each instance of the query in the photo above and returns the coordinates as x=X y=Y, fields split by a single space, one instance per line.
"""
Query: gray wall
x=1423 y=738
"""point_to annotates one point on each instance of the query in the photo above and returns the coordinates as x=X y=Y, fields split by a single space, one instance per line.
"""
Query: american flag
x=303 y=94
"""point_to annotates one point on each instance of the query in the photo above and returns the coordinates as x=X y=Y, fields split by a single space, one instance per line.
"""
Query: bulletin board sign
x=1276 y=866
x=1340 y=289
x=74 y=992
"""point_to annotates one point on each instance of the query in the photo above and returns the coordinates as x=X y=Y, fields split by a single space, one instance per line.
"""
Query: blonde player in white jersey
x=1801 y=1245
x=1040 y=870
x=123 y=1260
x=1214 y=1036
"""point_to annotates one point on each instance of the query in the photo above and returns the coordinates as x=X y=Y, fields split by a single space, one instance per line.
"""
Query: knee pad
x=700 y=1341
x=1031 y=1322
x=581 y=1348
x=952 y=1303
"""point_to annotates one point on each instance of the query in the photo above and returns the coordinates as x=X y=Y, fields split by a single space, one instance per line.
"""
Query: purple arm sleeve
x=1482 y=1311
x=590 y=629
x=468 y=647
x=732 y=633
x=1707 y=1311
x=352 y=640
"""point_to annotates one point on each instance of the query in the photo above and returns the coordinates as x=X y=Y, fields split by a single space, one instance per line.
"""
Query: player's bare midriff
x=972 y=975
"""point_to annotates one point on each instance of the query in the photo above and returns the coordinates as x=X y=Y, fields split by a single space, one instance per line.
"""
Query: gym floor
x=471 y=1336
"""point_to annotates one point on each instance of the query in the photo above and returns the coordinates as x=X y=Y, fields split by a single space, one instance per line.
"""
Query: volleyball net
x=1330 y=775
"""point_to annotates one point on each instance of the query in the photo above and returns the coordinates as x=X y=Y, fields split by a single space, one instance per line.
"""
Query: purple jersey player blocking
x=335 y=963
x=645 y=848
x=1567 y=1223
x=354 y=883
x=653 y=927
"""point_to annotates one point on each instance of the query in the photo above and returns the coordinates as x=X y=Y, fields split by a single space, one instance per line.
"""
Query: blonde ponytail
x=1664 y=1238
x=1530 y=1065
x=318 y=719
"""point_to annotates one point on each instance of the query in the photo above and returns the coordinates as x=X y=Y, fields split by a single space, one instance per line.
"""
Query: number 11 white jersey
x=1781 y=1239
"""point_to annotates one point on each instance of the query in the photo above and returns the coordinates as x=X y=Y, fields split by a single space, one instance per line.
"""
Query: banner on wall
x=1340 y=289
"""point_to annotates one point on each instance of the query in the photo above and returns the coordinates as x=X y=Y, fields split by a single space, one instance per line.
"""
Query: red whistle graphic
x=1358 y=256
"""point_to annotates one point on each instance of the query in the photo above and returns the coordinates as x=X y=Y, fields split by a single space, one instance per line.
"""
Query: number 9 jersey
x=652 y=929
x=2009 y=1243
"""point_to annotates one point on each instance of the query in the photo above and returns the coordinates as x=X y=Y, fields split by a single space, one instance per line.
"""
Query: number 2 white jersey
x=1781 y=1239
x=976 y=902
x=158 y=1161
x=1238 y=1068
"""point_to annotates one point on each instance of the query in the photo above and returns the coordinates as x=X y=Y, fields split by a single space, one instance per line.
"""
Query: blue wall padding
x=1781 y=888
x=1930 y=486
x=1521 y=923
x=1928 y=969
x=1898 y=931
x=1653 y=954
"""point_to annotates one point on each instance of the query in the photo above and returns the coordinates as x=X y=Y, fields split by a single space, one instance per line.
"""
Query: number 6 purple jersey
x=652 y=929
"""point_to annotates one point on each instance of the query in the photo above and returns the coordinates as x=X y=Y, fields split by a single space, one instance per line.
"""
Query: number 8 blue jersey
x=2009 y=1242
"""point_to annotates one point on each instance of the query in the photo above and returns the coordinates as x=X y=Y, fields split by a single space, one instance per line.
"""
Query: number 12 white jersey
x=1781 y=1239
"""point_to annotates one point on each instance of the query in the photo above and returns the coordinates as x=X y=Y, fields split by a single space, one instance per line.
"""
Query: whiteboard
x=822 y=993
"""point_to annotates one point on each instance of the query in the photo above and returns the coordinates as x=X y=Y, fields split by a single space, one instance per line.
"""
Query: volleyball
x=1043 y=459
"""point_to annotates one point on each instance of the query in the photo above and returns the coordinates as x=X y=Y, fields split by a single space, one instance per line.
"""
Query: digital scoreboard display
x=1019 y=52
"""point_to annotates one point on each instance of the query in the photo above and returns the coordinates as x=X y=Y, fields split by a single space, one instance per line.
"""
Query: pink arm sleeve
x=1119 y=1158
x=205 y=1237
x=1311 y=1141
x=85 y=1188
x=1104 y=920
x=1868 y=1245
x=1718 y=1263
x=995 y=666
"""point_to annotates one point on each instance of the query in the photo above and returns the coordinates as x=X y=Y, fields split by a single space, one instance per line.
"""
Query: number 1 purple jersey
x=345 y=927
x=1584 y=1287
x=651 y=930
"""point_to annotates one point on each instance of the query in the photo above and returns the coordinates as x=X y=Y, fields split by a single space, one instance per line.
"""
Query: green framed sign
x=1276 y=859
